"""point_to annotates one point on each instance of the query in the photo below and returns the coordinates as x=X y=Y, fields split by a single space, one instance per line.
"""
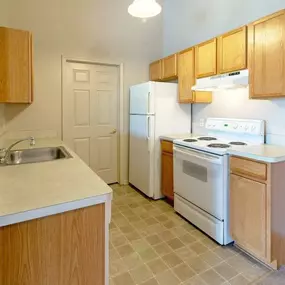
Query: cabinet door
x=232 y=51
x=248 y=215
x=167 y=175
x=169 y=67
x=16 y=70
x=266 y=52
x=186 y=75
x=206 y=58
x=155 y=71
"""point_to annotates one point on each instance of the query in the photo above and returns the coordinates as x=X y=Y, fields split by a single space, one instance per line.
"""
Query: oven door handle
x=203 y=157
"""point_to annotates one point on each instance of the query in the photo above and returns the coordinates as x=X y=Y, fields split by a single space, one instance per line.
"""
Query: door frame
x=120 y=150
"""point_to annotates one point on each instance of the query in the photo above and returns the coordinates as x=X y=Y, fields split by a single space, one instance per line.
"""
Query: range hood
x=234 y=80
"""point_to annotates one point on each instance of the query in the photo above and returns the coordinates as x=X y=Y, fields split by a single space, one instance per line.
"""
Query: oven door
x=199 y=178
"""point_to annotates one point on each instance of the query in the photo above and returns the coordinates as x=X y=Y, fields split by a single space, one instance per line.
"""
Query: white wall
x=87 y=29
x=187 y=23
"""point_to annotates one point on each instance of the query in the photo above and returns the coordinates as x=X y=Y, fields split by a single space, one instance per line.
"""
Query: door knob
x=113 y=132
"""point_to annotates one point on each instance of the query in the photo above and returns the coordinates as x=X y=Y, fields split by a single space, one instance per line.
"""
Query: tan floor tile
x=162 y=248
x=183 y=272
x=133 y=236
x=211 y=258
x=239 y=280
x=125 y=250
x=157 y=265
x=119 y=240
x=209 y=243
x=141 y=274
x=255 y=272
x=167 y=278
x=189 y=227
x=127 y=229
x=198 y=234
x=162 y=218
x=139 y=224
x=187 y=239
x=151 y=221
x=111 y=282
x=157 y=228
x=198 y=247
x=151 y=281
x=185 y=253
x=117 y=267
x=140 y=245
x=172 y=259
x=212 y=278
x=226 y=271
x=123 y=279
x=132 y=261
x=148 y=254
x=196 y=280
x=225 y=252
x=114 y=255
x=133 y=219
x=175 y=243
x=153 y=239
x=197 y=264
x=169 y=224
x=240 y=263
x=167 y=235
x=179 y=231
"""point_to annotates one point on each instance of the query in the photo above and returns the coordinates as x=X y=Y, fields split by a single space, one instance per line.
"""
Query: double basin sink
x=35 y=155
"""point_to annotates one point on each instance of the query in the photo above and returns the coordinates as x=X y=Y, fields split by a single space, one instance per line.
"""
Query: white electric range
x=201 y=173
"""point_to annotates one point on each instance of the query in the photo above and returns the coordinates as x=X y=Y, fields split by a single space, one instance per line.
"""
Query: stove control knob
x=253 y=128
x=235 y=126
x=246 y=127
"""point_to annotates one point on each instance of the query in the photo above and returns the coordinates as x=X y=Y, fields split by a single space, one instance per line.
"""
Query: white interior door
x=90 y=116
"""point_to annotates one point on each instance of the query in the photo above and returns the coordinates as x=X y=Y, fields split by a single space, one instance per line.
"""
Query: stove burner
x=207 y=139
x=190 y=140
x=219 y=145
x=238 y=143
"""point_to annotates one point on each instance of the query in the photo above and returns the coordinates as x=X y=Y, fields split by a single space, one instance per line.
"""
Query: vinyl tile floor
x=151 y=245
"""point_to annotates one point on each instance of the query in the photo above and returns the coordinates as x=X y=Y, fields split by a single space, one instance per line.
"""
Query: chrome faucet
x=7 y=151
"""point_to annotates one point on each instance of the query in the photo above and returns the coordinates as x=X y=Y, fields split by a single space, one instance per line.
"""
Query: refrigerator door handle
x=148 y=133
x=148 y=102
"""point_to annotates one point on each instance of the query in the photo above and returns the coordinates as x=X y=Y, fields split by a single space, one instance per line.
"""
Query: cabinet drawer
x=167 y=146
x=249 y=168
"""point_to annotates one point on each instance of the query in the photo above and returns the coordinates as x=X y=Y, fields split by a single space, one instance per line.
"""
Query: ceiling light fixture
x=144 y=8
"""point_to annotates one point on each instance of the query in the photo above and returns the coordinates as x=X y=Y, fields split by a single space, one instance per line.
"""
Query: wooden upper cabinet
x=248 y=215
x=16 y=66
x=206 y=59
x=169 y=67
x=155 y=71
x=186 y=75
x=186 y=79
x=232 y=51
x=266 y=56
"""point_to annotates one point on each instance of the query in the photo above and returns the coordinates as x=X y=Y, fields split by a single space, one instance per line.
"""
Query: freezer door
x=141 y=167
x=141 y=99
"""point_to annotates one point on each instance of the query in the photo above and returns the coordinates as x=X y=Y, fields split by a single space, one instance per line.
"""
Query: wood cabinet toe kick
x=257 y=209
x=63 y=249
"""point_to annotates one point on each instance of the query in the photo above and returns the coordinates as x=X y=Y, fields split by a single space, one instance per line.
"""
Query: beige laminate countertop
x=266 y=153
x=173 y=137
x=30 y=191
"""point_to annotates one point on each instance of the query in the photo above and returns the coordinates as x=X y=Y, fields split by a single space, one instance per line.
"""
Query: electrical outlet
x=202 y=122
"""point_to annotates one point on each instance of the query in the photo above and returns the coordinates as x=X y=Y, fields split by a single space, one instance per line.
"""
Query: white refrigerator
x=154 y=111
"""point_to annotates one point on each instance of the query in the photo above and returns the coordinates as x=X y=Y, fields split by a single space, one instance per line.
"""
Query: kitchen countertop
x=266 y=153
x=31 y=191
x=173 y=137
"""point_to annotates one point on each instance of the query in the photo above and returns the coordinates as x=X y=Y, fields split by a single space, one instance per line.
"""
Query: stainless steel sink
x=35 y=155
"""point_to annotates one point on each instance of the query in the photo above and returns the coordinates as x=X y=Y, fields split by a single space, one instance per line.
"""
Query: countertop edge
x=257 y=157
x=54 y=209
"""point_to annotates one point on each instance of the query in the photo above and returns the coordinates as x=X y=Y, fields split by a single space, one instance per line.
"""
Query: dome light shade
x=144 y=8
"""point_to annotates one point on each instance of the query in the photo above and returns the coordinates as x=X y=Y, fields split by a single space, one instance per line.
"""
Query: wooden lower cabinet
x=249 y=215
x=167 y=169
x=257 y=209
x=63 y=249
